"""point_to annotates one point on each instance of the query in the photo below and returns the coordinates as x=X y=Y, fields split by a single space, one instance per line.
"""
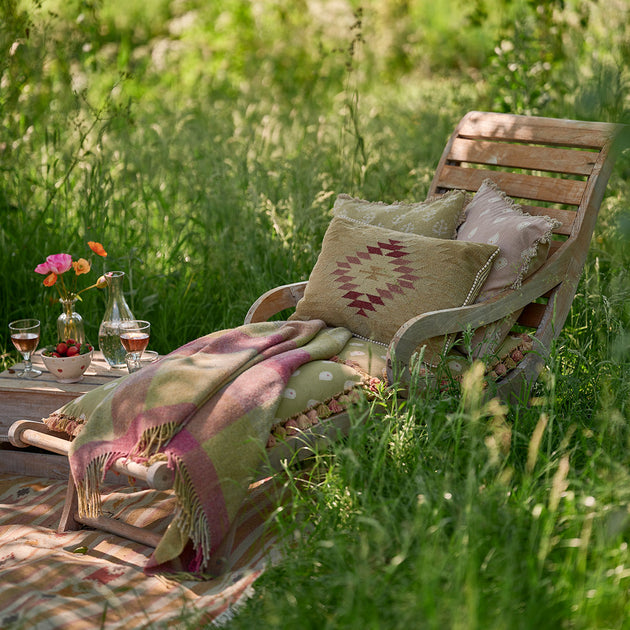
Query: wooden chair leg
x=71 y=521
x=67 y=523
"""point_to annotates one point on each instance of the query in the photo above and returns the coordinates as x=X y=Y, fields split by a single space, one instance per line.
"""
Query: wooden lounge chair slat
x=532 y=315
x=553 y=189
x=122 y=529
x=547 y=131
x=521 y=156
x=566 y=217
x=554 y=246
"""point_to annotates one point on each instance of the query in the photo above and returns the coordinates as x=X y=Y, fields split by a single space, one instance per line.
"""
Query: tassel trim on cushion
x=499 y=366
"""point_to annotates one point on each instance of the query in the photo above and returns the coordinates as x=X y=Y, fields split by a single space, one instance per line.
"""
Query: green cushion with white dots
x=319 y=381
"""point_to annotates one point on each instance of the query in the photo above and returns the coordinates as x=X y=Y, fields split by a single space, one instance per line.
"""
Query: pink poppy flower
x=42 y=268
x=59 y=263
x=55 y=263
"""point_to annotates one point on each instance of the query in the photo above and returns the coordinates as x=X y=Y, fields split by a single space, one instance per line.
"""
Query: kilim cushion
x=437 y=217
x=371 y=280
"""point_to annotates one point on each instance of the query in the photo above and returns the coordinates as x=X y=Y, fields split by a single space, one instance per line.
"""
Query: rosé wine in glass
x=25 y=338
x=25 y=342
x=134 y=336
x=134 y=341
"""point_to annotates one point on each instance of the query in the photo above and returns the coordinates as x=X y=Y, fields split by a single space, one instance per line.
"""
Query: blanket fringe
x=190 y=518
x=88 y=488
x=153 y=440
x=64 y=423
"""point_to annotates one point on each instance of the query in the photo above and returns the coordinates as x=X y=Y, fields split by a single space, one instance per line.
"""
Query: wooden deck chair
x=558 y=168
x=553 y=167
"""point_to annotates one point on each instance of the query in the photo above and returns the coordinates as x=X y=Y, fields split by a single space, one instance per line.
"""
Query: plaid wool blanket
x=207 y=407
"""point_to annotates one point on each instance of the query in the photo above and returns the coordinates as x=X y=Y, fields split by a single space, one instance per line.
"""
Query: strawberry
x=61 y=348
x=72 y=350
x=71 y=342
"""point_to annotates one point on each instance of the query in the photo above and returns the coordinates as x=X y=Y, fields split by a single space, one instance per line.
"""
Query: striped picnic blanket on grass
x=89 y=579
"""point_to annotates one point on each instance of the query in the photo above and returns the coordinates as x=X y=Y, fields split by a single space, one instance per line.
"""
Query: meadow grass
x=204 y=143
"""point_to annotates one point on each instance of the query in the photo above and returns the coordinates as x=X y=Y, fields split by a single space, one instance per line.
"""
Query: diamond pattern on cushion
x=353 y=269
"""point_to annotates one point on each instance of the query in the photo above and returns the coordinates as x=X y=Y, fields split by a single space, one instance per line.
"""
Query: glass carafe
x=117 y=310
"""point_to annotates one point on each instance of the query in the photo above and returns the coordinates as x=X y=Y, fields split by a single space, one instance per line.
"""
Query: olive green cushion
x=437 y=217
x=319 y=381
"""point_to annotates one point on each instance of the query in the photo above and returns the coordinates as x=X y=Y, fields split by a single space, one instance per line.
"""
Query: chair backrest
x=559 y=168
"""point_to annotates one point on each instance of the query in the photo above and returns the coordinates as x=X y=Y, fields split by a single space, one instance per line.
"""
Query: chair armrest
x=421 y=328
x=274 y=301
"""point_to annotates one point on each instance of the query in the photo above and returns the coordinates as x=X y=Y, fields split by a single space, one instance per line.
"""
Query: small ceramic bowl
x=68 y=369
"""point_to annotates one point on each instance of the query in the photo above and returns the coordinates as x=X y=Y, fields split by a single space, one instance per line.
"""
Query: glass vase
x=117 y=310
x=70 y=323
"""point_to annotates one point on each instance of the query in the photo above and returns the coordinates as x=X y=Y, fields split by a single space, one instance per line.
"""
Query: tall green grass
x=204 y=143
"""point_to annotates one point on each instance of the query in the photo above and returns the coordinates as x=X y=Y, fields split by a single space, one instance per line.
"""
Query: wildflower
x=58 y=264
x=81 y=266
x=97 y=248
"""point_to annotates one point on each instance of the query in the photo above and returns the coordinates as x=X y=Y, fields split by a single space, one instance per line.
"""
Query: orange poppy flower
x=81 y=266
x=97 y=248
x=50 y=279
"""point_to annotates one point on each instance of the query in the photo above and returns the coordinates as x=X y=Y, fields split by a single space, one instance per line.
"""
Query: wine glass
x=134 y=336
x=25 y=338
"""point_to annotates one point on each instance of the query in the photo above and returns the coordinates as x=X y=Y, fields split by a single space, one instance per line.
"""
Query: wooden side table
x=22 y=399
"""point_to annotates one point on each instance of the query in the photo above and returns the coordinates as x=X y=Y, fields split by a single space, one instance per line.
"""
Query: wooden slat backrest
x=553 y=167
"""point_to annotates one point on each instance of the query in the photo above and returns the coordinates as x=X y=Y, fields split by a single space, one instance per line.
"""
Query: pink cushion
x=523 y=240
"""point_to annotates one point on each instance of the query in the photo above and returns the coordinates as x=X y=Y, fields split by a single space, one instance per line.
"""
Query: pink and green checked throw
x=208 y=408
